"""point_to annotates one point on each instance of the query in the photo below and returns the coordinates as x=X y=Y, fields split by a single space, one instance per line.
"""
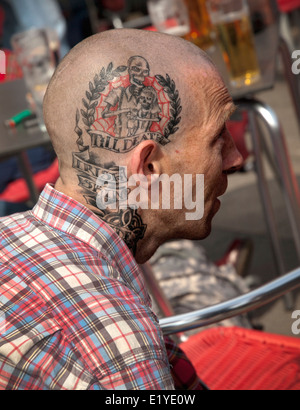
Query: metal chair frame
x=284 y=173
x=237 y=306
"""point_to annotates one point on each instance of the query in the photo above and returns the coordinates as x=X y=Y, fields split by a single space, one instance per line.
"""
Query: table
x=15 y=142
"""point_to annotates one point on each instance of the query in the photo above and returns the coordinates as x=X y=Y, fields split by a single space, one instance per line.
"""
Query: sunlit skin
x=201 y=145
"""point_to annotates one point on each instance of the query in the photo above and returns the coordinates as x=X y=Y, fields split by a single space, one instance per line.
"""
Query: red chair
x=288 y=5
x=17 y=191
x=235 y=358
x=13 y=70
x=241 y=359
x=114 y=6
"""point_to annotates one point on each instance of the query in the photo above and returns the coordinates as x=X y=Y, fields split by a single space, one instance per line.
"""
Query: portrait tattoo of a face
x=123 y=107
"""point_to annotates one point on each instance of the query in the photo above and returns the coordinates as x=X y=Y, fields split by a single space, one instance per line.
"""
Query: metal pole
x=265 y=194
x=287 y=177
x=235 y=307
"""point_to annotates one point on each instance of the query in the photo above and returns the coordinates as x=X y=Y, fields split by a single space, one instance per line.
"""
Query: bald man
x=138 y=123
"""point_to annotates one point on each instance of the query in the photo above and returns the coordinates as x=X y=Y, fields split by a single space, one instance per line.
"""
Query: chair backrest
x=288 y=5
x=13 y=70
x=267 y=10
x=114 y=6
x=237 y=306
x=215 y=314
x=17 y=191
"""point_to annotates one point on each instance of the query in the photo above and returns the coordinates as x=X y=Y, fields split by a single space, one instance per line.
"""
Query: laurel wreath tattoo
x=99 y=85
x=101 y=81
x=170 y=88
x=132 y=122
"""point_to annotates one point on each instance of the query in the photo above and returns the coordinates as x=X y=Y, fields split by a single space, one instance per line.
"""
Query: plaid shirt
x=74 y=311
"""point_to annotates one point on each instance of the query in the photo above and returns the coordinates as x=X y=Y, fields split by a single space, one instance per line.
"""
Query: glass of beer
x=202 y=32
x=231 y=19
x=169 y=16
x=36 y=59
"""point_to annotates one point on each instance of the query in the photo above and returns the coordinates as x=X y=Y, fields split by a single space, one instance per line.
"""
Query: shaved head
x=141 y=55
x=128 y=102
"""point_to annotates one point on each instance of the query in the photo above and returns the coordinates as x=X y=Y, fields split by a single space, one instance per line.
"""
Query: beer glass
x=38 y=64
x=54 y=44
x=169 y=16
x=202 y=32
x=233 y=24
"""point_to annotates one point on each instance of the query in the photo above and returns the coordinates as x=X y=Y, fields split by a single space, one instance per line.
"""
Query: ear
x=145 y=159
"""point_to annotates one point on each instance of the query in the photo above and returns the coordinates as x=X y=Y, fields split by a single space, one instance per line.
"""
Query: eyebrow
x=226 y=117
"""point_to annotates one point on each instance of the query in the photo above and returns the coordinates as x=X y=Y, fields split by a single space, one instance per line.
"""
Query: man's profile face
x=209 y=150
x=182 y=133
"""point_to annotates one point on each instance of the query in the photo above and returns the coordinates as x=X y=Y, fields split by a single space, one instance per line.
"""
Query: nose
x=232 y=158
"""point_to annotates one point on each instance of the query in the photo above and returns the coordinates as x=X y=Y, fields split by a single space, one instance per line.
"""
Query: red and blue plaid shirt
x=74 y=310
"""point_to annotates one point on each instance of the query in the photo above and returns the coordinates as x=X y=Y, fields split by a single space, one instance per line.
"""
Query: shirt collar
x=67 y=215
